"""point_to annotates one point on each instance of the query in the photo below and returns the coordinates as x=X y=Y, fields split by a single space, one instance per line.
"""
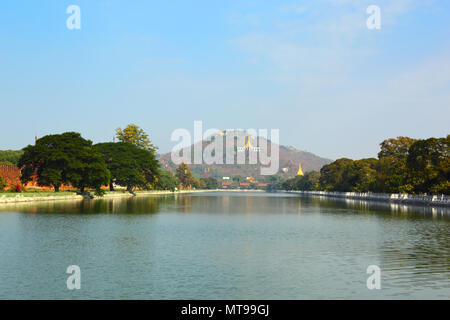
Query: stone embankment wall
x=11 y=174
x=423 y=199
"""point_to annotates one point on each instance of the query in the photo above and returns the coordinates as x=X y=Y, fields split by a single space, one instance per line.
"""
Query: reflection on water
x=377 y=207
x=220 y=203
x=224 y=245
x=113 y=205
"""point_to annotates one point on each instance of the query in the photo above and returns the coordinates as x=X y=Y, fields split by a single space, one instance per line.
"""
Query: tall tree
x=360 y=175
x=392 y=173
x=332 y=175
x=184 y=174
x=64 y=159
x=309 y=181
x=166 y=181
x=429 y=165
x=395 y=148
x=135 y=135
x=209 y=183
x=130 y=166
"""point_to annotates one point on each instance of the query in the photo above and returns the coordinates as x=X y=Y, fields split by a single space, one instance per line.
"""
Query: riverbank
x=428 y=200
x=53 y=196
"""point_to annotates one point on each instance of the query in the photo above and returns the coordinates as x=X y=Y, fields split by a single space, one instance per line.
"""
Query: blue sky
x=309 y=68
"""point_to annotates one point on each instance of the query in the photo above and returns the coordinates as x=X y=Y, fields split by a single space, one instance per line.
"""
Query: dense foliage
x=184 y=178
x=68 y=159
x=166 y=181
x=64 y=159
x=310 y=181
x=404 y=165
x=184 y=174
x=135 y=135
x=129 y=165
x=10 y=157
x=209 y=183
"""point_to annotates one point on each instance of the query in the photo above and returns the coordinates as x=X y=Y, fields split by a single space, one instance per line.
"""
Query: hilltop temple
x=300 y=171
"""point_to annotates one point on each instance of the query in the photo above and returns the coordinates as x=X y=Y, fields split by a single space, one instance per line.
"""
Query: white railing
x=441 y=200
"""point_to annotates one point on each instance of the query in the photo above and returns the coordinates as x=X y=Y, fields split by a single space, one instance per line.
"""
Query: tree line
x=69 y=159
x=404 y=165
x=188 y=181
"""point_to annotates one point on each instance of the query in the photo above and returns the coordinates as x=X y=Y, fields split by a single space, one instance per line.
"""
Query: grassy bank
x=11 y=197
x=36 y=194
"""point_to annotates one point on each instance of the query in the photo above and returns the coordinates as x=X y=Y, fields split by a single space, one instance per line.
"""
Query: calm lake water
x=223 y=246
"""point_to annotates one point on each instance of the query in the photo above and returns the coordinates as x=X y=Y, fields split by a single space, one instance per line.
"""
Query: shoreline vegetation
x=406 y=199
x=67 y=161
x=407 y=171
x=404 y=166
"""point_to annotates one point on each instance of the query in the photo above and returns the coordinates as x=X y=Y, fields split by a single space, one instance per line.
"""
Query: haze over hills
x=289 y=157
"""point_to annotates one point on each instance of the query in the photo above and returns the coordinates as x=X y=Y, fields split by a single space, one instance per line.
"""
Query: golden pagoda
x=300 y=171
x=248 y=145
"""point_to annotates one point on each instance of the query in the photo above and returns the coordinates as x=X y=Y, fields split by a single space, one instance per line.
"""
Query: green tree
x=360 y=175
x=332 y=175
x=64 y=158
x=209 y=183
x=309 y=181
x=88 y=170
x=197 y=184
x=429 y=165
x=347 y=175
x=273 y=183
x=405 y=165
x=166 y=181
x=130 y=166
x=395 y=148
x=290 y=184
x=392 y=173
x=184 y=174
x=135 y=135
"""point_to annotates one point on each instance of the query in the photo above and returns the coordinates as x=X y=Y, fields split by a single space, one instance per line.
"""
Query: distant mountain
x=289 y=158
